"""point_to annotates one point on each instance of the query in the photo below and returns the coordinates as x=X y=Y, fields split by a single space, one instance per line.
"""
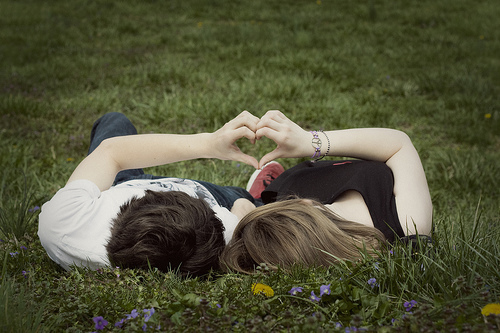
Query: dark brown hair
x=167 y=230
x=296 y=231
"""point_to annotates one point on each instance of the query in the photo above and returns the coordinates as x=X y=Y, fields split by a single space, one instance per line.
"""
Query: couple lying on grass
x=111 y=213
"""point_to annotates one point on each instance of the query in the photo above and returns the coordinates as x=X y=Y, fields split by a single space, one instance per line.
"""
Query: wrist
x=316 y=144
x=201 y=145
x=320 y=144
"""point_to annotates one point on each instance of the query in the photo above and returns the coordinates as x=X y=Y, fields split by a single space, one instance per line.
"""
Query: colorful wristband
x=328 y=149
x=316 y=144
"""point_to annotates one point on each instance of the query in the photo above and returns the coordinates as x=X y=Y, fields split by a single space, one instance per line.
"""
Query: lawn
x=429 y=68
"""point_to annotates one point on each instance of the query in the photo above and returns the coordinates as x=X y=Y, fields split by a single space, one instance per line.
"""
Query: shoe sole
x=255 y=174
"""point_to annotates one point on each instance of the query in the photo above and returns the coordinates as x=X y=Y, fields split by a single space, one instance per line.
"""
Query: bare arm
x=141 y=151
x=242 y=207
x=393 y=147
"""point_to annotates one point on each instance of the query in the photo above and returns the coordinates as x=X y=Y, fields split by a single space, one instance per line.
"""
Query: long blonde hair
x=296 y=231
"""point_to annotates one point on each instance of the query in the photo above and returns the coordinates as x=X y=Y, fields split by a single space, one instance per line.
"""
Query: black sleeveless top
x=325 y=181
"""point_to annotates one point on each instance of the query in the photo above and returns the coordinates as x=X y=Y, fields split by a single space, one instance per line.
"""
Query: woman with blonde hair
x=322 y=211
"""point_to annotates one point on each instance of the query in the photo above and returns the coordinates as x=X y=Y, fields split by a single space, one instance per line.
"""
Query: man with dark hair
x=111 y=213
x=166 y=230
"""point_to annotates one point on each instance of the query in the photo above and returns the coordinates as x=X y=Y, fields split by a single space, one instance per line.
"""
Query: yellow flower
x=70 y=159
x=259 y=288
x=318 y=2
x=487 y=115
x=491 y=309
x=200 y=24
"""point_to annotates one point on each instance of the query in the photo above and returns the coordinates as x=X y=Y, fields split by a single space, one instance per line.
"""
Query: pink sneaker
x=261 y=179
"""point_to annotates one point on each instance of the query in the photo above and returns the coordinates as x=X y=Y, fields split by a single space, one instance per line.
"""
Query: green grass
x=430 y=68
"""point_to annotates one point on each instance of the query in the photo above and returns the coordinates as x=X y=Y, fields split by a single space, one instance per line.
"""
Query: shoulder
x=74 y=225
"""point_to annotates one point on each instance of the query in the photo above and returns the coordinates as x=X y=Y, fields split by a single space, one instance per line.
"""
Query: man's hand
x=223 y=142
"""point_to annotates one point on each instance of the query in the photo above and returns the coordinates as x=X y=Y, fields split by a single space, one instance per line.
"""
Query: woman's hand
x=290 y=138
x=242 y=207
x=224 y=140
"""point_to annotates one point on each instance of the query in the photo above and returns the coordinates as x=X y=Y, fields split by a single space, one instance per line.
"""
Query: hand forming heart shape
x=288 y=136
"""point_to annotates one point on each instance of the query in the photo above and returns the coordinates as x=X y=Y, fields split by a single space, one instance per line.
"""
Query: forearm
x=139 y=151
x=377 y=144
x=148 y=150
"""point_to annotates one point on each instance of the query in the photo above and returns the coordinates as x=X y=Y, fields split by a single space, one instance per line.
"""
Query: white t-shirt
x=75 y=225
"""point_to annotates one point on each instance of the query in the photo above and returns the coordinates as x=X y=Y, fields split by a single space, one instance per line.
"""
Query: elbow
x=106 y=152
x=105 y=149
x=403 y=140
x=398 y=142
x=402 y=137
x=106 y=144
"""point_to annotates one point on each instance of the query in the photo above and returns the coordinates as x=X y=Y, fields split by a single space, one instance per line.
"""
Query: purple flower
x=314 y=298
x=148 y=313
x=372 y=282
x=34 y=209
x=144 y=327
x=22 y=247
x=409 y=305
x=133 y=314
x=324 y=290
x=25 y=274
x=295 y=290
x=13 y=254
x=100 y=322
x=120 y=323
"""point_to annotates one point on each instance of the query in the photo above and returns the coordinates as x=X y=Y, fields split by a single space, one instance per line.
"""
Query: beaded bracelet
x=328 y=149
x=316 y=144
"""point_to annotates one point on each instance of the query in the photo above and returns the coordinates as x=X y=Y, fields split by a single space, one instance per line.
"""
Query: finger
x=247 y=159
x=248 y=115
x=244 y=132
x=273 y=117
x=275 y=114
x=245 y=118
x=274 y=120
x=271 y=156
x=268 y=132
x=267 y=125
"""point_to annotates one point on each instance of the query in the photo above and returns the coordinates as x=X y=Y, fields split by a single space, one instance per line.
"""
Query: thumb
x=271 y=156
x=247 y=159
